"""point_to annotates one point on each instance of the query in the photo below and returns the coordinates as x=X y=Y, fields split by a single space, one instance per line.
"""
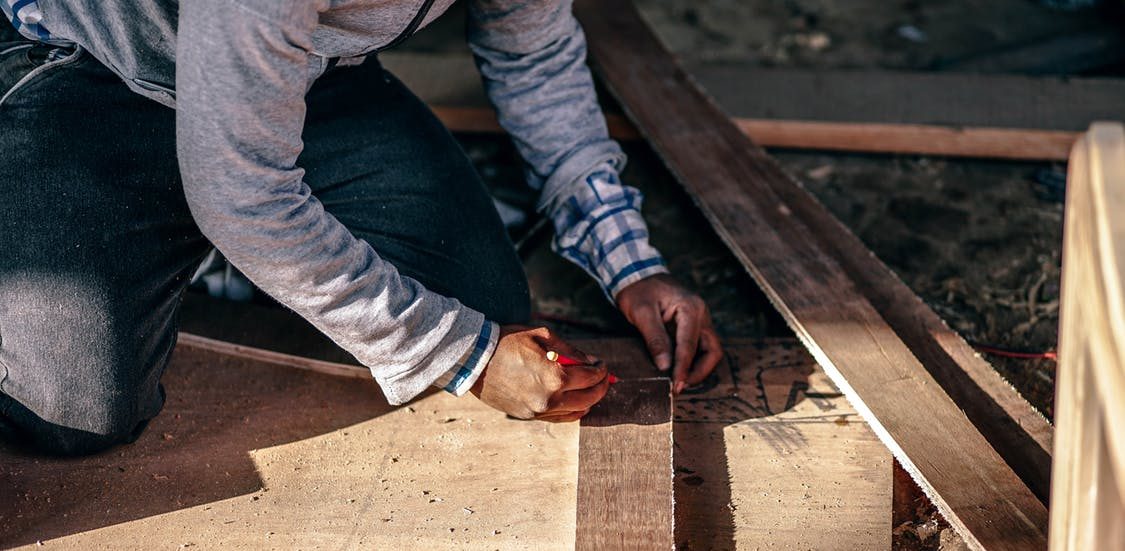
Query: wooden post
x=1088 y=483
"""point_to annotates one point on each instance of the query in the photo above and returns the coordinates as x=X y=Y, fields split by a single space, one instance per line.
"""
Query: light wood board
x=254 y=456
x=752 y=204
x=1088 y=497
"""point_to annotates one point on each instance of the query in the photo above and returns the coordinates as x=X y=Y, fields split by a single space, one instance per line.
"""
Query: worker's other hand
x=520 y=381
x=676 y=326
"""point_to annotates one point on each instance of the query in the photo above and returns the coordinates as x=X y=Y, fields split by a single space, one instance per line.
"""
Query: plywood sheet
x=252 y=456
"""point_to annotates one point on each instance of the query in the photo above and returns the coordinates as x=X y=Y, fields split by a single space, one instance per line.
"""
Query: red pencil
x=565 y=361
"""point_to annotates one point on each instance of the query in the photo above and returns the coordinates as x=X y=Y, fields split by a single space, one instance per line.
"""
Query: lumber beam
x=907 y=139
x=1088 y=498
x=777 y=231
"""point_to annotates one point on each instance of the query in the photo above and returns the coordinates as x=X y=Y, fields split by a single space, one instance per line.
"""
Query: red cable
x=997 y=351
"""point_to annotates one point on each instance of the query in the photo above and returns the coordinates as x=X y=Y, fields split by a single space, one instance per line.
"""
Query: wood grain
x=625 y=469
x=1088 y=497
x=763 y=216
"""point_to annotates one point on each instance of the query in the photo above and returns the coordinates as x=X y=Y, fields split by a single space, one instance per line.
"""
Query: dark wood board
x=625 y=469
x=762 y=215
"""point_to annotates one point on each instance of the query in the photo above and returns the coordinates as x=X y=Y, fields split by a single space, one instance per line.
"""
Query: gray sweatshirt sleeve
x=241 y=80
x=532 y=59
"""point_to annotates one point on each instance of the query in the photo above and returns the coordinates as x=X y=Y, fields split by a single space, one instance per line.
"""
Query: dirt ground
x=979 y=241
x=900 y=34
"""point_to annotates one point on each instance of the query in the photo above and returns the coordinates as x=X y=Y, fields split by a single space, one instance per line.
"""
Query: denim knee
x=22 y=426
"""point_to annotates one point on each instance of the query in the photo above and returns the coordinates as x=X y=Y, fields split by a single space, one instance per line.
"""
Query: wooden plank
x=763 y=217
x=910 y=139
x=625 y=469
x=1088 y=497
x=770 y=423
x=189 y=341
x=769 y=455
x=249 y=456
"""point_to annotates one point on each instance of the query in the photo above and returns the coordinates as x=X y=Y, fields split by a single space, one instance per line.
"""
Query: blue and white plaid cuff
x=599 y=227
x=461 y=377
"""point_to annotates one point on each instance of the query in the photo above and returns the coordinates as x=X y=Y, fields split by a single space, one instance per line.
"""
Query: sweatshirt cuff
x=461 y=377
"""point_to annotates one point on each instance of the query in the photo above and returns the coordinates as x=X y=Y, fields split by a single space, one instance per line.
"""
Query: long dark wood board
x=764 y=217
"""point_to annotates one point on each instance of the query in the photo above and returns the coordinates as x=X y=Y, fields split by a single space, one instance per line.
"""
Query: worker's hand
x=676 y=326
x=520 y=381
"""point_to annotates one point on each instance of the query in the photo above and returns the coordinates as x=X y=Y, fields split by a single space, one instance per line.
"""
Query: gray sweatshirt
x=237 y=72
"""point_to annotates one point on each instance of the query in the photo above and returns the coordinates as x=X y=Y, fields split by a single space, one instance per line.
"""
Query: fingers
x=578 y=377
x=578 y=400
x=648 y=321
x=573 y=405
x=710 y=354
x=688 y=325
x=549 y=341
